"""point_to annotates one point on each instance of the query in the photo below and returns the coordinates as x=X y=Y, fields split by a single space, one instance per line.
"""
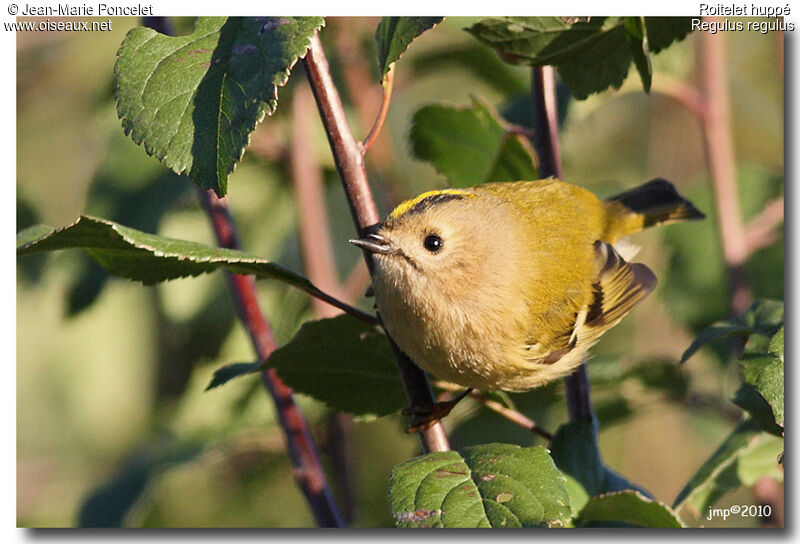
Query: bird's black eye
x=433 y=243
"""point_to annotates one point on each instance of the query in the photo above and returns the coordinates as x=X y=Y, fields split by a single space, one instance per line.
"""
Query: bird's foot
x=424 y=417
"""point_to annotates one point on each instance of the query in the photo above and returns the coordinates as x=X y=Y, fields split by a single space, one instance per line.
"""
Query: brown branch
x=359 y=81
x=545 y=141
x=387 y=83
x=307 y=467
x=319 y=265
x=350 y=164
x=346 y=151
x=315 y=240
x=308 y=470
x=718 y=141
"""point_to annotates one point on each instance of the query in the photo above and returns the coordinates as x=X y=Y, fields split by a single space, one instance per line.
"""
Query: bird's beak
x=375 y=243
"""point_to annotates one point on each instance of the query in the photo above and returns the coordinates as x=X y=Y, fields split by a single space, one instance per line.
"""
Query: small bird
x=507 y=285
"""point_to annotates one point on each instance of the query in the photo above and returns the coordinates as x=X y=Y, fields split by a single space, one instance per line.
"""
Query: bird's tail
x=653 y=203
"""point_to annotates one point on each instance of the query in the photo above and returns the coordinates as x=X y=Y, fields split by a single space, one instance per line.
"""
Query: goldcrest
x=506 y=285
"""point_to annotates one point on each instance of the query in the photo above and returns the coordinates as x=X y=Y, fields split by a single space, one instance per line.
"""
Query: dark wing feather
x=619 y=287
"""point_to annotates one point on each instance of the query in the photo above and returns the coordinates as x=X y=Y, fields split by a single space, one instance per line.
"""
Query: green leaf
x=470 y=145
x=395 y=34
x=578 y=497
x=748 y=399
x=575 y=452
x=148 y=258
x=590 y=55
x=226 y=373
x=763 y=317
x=194 y=100
x=770 y=382
x=630 y=507
x=109 y=503
x=664 y=31
x=740 y=458
x=761 y=394
x=529 y=40
x=344 y=363
x=636 y=30
x=32 y=233
x=491 y=485
x=776 y=344
x=760 y=460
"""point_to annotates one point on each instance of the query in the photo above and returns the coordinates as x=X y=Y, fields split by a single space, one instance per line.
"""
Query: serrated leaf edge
x=269 y=108
x=385 y=69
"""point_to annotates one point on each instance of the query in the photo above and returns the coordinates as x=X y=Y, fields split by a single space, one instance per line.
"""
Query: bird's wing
x=618 y=288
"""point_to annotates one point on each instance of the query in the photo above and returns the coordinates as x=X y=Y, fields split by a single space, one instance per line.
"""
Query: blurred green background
x=113 y=425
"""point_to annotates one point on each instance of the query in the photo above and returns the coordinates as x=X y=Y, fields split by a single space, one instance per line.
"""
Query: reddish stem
x=718 y=141
x=356 y=283
x=388 y=81
x=683 y=93
x=346 y=151
x=359 y=80
x=545 y=121
x=761 y=230
x=307 y=467
x=302 y=451
x=350 y=164
x=319 y=265
x=315 y=239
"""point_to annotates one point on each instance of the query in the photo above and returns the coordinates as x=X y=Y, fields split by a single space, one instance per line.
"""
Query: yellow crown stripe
x=404 y=207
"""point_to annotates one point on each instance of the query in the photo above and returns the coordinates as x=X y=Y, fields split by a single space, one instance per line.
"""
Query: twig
x=350 y=164
x=315 y=239
x=545 y=122
x=722 y=163
x=545 y=141
x=358 y=79
x=683 y=93
x=387 y=83
x=346 y=152
x=346 y=308
x=308 y=470
x=519 y=130
x=760 y=231
x=512 y=415
x=356 y=282
x=737 y=242
x=319 y=265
